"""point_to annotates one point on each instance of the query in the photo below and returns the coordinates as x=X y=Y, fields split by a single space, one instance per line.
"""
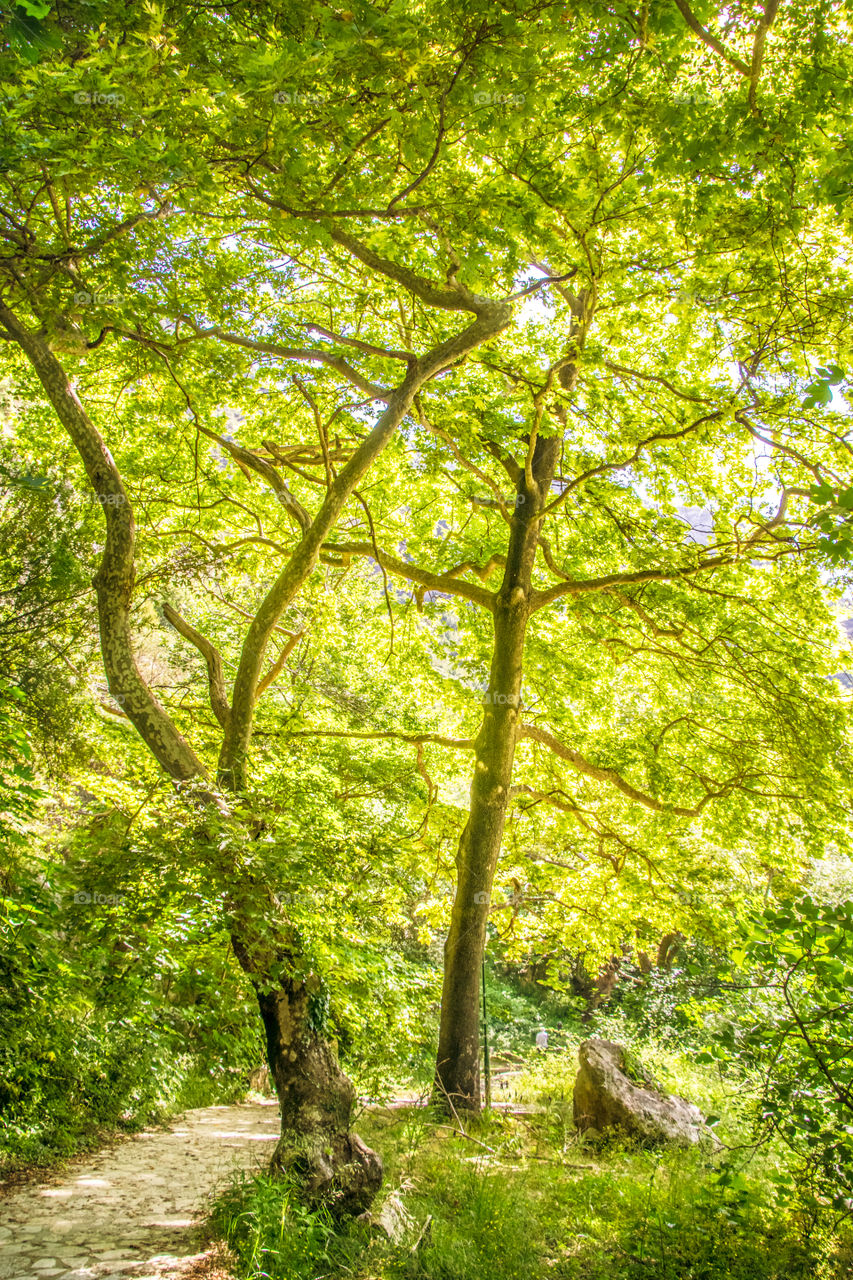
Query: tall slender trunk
x=457 y=1075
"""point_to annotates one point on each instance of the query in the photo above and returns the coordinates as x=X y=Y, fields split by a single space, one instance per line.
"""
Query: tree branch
x=449 y=297
x=367 y=347
x=461 y=744
x=431 y=581
x=289 y=645
x=710 y=40
x=215 y=677
x=770 y=9
x=539 y=599
x=582 y=765
x=336 y=362
x=114 y=579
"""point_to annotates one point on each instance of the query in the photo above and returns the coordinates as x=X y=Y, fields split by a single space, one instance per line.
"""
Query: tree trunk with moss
x=317 y=1144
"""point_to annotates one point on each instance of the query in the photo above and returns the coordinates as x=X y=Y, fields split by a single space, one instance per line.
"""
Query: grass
x=525 y=1196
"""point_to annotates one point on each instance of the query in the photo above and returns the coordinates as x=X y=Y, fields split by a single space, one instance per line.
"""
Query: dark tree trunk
x=457 y=1076
x=317 y=1144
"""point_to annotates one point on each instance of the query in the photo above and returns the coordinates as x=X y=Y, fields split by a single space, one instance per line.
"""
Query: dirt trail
x=132 y=1212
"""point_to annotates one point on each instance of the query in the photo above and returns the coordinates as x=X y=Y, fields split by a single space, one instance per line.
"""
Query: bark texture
x=457 y=1078
x=317 y=1144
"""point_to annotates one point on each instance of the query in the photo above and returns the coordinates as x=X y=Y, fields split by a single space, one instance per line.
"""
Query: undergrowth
x=524 y=1195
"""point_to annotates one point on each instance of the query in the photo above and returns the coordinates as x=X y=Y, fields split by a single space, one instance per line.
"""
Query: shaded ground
x=133 y=1212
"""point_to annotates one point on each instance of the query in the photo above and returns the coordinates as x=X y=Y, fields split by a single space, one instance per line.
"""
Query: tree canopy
x=449 y=408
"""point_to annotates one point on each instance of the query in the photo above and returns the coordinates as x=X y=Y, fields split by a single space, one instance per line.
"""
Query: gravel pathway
x=132 y=1212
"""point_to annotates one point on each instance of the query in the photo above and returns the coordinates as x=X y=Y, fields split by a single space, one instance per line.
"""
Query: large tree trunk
x=317 y=1144
x=457 y=1075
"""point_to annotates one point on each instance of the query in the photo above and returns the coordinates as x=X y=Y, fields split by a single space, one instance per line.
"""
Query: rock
x=605 y=1097
x=393 y=1220
x=259 y=1081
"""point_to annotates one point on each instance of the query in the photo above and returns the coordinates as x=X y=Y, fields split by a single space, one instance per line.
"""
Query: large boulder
x=605 y=1096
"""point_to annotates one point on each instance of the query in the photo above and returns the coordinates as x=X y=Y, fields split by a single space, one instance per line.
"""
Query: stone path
x=130 y=1213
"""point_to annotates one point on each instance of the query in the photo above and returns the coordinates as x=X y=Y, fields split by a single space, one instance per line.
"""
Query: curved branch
x=450 y=297
x=443 y=583
x=710 y=40
x=539 y=599
x=114 y=579
x=211 y=655
x=582 y=765
x=338 y=363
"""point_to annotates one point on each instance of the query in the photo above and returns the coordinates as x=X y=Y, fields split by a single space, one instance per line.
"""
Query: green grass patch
x=524 y=1196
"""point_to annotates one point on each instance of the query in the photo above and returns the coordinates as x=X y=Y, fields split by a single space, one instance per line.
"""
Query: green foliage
x=794 y=1024
x=118 y=1000
x=21 y=792
x=526 y=1198
x=274 y=1235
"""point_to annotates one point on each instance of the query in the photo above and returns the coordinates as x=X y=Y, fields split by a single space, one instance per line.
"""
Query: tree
x=603 y=204
x=364 y=215
x=52 y=206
